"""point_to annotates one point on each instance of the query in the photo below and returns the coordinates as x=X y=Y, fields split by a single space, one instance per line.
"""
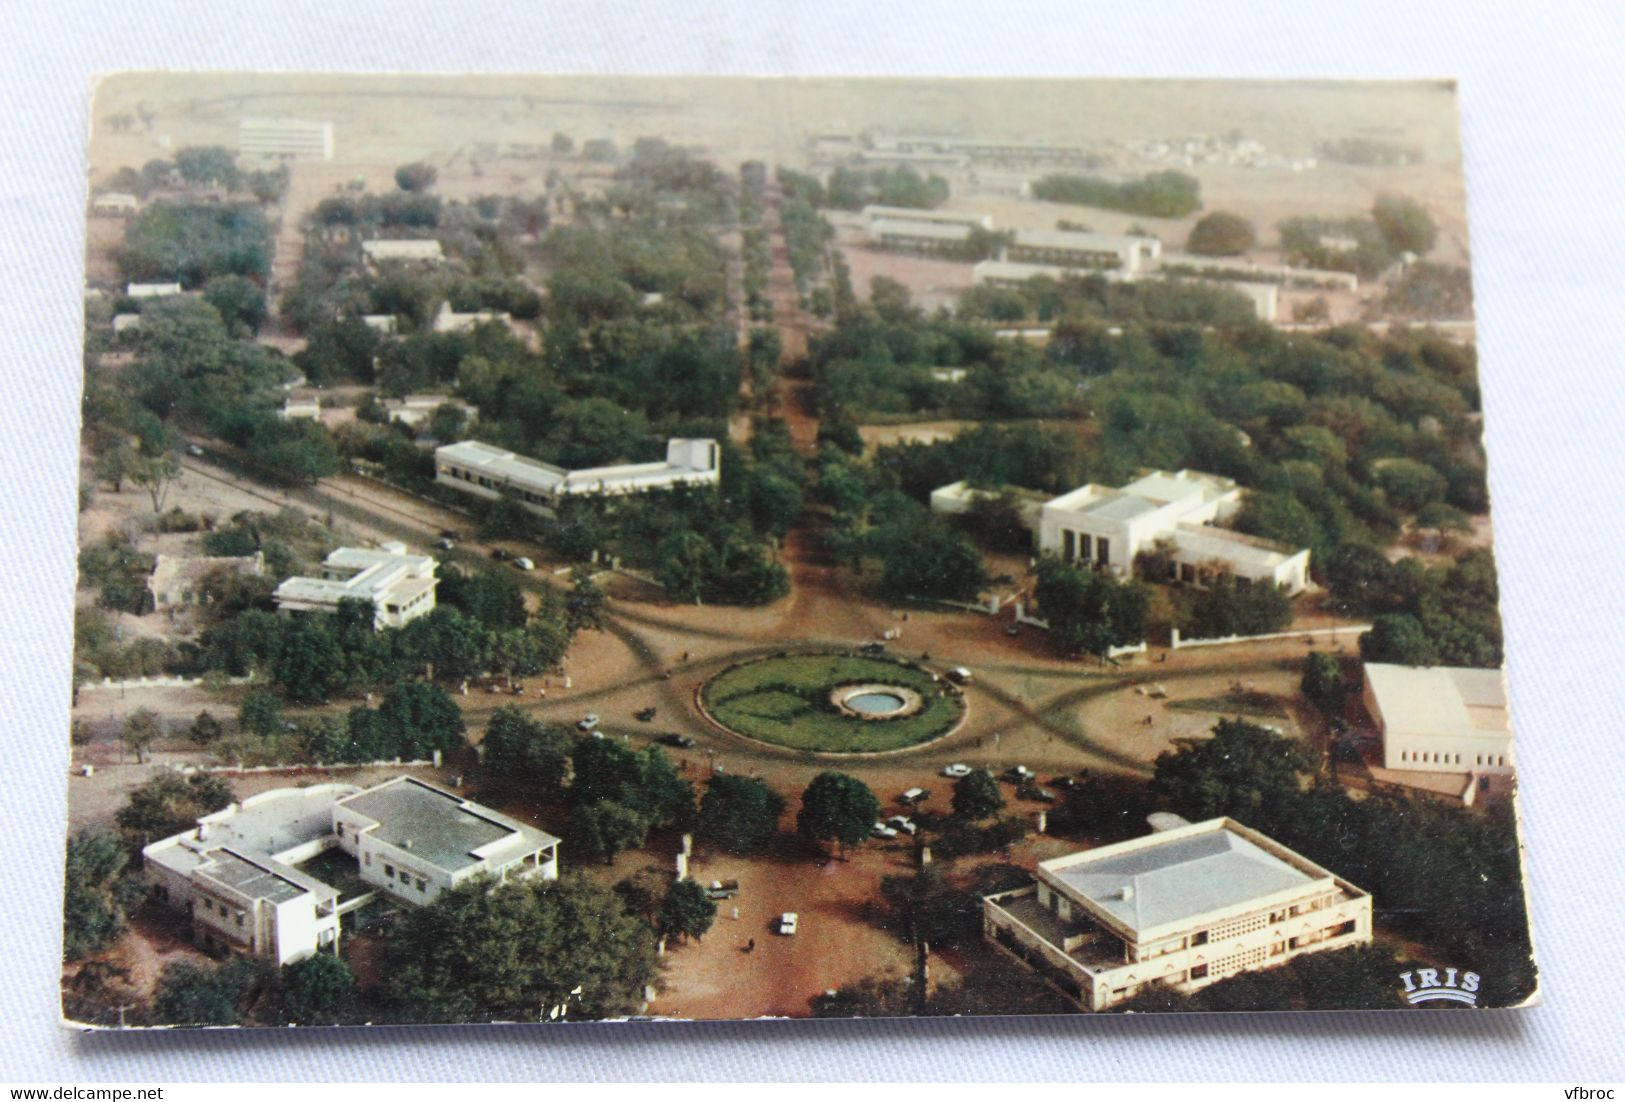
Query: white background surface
x=1541 y=94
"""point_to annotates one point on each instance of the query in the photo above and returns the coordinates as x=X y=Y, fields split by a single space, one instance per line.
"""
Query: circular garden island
x=833 y=703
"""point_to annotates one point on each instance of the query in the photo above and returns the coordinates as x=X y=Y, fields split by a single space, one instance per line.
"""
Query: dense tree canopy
x=837 y=808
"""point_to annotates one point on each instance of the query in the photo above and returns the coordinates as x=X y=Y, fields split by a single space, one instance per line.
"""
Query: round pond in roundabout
x=832 y=703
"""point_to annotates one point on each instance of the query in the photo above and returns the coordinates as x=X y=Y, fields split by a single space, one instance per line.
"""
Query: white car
x=903 y=824
x=881 y=830
x=957 y=769
x=787 y=923
x=524 y=564
x=588 y=722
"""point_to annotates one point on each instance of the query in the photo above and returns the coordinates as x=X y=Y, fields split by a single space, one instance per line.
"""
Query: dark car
x=449 y=534
x=872 y=648
x=1065 y=784
x=500 y=555
x=644 y=715
x=682 y=742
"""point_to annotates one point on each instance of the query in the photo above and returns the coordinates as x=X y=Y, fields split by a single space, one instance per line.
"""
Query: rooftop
x=1440 y=700
x=1020 y=271
x=946 y=231
x=250 y=878
x=1079 y=240
x=442 y=828
x=1178 y=875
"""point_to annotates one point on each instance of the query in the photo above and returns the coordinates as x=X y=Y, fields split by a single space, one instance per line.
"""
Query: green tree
x=310 y=665
x=837 y=808
x=417 y=718
x=154 y=474
x=977 y=796
x=739 y=814
x=603 y=829
x=207 y=164
x=319 y=990
x=1243 y=771
x=169 y=804
x=1221 y=234
x=260 y=714
x=1323 y=682
x=562 y=143
x=92 y=912
x=195 y=994
x=1405 y=223
x=1089 y=612
x=205 y=729
x=687 y=911
x=141 y=729
x=417 y=176
x=1398 y=639
x=687 y=565
x=530 y=950
x=536 y=754
x=240 y=301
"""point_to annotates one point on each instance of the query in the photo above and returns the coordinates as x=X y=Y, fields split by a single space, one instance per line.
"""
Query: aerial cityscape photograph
x=573 y=548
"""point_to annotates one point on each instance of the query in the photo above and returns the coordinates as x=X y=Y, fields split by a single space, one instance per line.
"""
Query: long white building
x=1182 y=908
x=491 y=472
x=241 y=873
x=876 y=213
x=425 y=250
x=1440 y=719
x=399 y=586
x=1106 y=528
x=285 y=138
x=1126 y=252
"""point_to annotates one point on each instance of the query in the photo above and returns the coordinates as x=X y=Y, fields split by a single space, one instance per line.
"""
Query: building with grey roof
x=1183 y=907
x=399 y=586
x=1177 y=512
x=241 y=873
x=491 y=472
x=178 y=580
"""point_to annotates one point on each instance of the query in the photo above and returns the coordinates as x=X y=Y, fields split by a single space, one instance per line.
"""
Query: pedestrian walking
x=750 y=946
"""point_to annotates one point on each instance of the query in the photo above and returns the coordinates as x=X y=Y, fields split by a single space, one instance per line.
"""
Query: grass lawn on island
x=786 y=701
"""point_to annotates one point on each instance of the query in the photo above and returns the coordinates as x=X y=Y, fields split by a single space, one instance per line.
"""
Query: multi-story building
x=251 y=876
x=285 y=138
x=1181 y=908
x=400 y=587
x=929 y=238
x=874 y=213
x=491 y=472
x=1440 y=719
x=1175 y=512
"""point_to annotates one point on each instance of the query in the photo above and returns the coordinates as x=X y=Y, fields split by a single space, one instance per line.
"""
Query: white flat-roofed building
x=1265 y=297
x=492 y=472
x=414 y=409
x=1441 y=719
x=243 y=873
x=947 y=374
x=412 y=249
x=293 y=409
x=1015 y=273
x=1128 y=252
x=153 y=290
x=383 y=324
x=399 y=586
x=1265 y=273
x=115 y=203
x=450 y=321
x=959 y=498
x=919 y=236
x=874 y=213
x=416 y=841
x=1180 y=908
x=1105 y=528
x=126 y=323
x=285 y=138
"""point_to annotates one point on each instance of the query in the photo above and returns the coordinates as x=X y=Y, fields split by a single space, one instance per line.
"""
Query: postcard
x=570 y=548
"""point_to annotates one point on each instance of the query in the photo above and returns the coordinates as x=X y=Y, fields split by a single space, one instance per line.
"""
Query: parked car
x=645 y=714
x=872 y=648
x=1031 y=791
x=1019 y=774
x=959 y=675
x=722 y=889
x=915 y=795
x=588 y=722
x=194 y=451
x=672 y=738
x=881 y=830
x=445 y=544
x=500 y=555
x=449 y=534
x=903 y=824
x=787 y=923
x=1065 y=783
x=524 y=564
x=957 y=769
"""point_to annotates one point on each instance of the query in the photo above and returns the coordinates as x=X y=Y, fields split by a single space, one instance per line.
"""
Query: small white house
x=152 y=290
x=421 y=250
x=1440 y=719
x=115 y=204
